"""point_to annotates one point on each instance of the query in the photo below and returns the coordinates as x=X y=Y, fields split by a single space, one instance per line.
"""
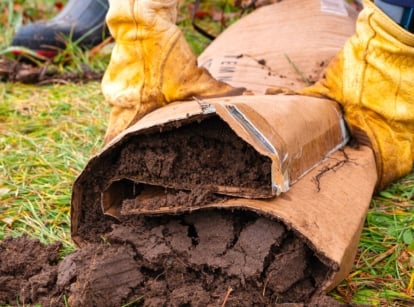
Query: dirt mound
x=240 y=259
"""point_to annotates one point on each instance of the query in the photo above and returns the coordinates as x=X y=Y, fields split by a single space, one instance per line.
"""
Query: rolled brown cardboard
x=275 y=46
x=326 y=205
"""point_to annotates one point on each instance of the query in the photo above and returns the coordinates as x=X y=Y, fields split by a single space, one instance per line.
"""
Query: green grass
x=47 y=135
x=383 y=272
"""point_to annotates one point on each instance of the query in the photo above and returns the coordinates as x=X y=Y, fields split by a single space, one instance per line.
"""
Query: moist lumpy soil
x=210 y=257
x=207 y=154
x=207 y=258
x=193 y=164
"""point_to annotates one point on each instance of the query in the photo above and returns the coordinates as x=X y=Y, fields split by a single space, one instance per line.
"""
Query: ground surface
x=26 y=72
x=40 y=125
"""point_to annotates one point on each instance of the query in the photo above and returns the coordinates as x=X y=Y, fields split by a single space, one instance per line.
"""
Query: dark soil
x=27 y=72
x=186 y=166
x=210 y=257
x=207 y=154
x=207 y=258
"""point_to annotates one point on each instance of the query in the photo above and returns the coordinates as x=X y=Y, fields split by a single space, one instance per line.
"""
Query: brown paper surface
x=279 y=45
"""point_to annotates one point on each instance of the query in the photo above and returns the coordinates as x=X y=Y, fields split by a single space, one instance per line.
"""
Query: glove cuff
x=379 y=19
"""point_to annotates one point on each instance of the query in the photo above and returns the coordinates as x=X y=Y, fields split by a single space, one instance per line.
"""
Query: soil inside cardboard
x=210 y=257
x=198 y=162
x=202 y=154
x=205 y=258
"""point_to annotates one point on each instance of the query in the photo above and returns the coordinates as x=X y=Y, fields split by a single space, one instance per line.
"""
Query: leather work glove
x=373 y=79
x=151 y=63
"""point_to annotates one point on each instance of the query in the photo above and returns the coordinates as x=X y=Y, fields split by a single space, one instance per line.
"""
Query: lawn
x=48 y=133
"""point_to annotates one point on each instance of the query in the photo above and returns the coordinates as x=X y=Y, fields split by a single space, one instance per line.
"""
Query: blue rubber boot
x=80 y=21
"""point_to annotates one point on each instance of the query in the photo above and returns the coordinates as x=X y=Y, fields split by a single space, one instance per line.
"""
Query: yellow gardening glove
x=373 y=79
x=151 y=63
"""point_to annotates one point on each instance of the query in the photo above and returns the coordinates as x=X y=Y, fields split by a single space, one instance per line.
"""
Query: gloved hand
x=373 y=79
x=151 y=63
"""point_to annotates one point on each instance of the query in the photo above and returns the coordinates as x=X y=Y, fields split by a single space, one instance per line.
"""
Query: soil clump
x=204 y=154
x=205 y=258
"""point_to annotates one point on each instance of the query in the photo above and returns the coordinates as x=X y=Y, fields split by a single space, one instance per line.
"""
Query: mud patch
x=206 y=258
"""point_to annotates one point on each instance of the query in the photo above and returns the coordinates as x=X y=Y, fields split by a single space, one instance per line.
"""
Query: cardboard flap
x=299 y=130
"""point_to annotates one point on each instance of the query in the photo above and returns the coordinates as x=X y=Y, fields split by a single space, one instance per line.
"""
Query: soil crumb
x=206 y=258
x=27 y=271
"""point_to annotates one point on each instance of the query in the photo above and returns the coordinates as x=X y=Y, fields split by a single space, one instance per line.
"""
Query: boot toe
x=39 y=36
x=45 y=36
